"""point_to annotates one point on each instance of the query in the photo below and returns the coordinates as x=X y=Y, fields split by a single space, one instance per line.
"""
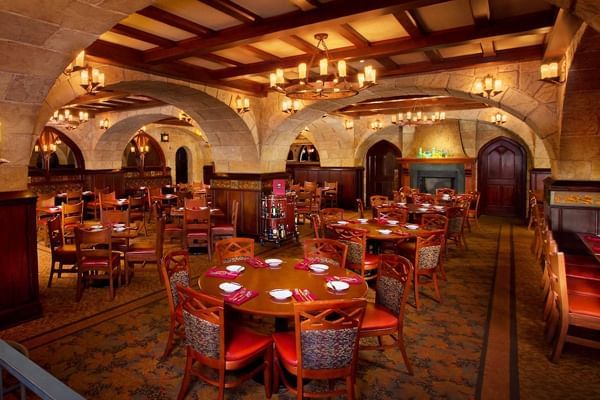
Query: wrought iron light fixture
x=348 y=124
x=92 y=79
x=65 y=119
x=418 y=118
x=290 y=106
x=184 y=117
x=325 y=86
x=104 y=123
x=164 y=137
x=242 y=105
x=488 y=86
x=376 y=124
x=552 y=72
x=498 y=118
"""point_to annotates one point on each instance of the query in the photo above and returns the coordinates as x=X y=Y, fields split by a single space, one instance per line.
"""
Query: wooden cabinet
x=277 y=219
x=19 y=294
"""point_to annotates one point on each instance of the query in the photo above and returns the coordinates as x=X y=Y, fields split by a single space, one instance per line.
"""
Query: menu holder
x=241 y=296
x=214 y=272
x=302 y=295
x=352 y=280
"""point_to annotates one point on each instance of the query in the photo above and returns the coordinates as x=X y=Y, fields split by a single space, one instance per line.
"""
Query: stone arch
x=587 y=10
x=389 y=134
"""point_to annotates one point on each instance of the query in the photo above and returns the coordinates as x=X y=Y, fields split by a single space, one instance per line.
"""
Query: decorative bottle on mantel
x=420 y=153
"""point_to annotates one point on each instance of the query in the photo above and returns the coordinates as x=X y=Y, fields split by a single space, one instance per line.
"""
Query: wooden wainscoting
x=573 y=206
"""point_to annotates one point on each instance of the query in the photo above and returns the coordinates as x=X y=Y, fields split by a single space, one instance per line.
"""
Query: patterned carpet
x=111 y=350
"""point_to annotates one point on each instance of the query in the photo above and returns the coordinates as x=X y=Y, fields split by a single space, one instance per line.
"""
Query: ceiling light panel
x=156 y=28
x=448 y=15
x=126 y=41
x=379 y=28
x=199 y=13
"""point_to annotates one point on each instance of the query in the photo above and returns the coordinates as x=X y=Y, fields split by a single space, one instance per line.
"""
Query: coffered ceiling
x=235 y=44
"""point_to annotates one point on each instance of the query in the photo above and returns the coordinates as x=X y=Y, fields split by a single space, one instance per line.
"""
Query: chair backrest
x=195 y=203
x=55 y=233
x=428 y=251
x=310 y=186
x=72 y=214
x=327 y=251
x=475 y=197
x=456 y=219
x=356 y=240
x=423 y=198
x=434 y=221
x=327 y=336
x=394 y=277
x=204 y=324
x=333 y=186
x=304 y=200
x=234 y=249
x=399 y=196
x=442 y=191
x=196 y=220
x=175 y=270
x=74 y=196
x=377 y=200
x=46 y=200
x=315 y=220
x=235 y=209
x=137 y=204
x=155 y=191
x=115 y=217
x=329 y=215
x=395 y=213
x=93 y=243
x=361 y=208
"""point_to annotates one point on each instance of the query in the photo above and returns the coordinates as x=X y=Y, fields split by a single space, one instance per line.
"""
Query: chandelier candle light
x=290 y=106
x=67 y=120
x=417 y=118
x=242 y=105
x=326 y=86
x=488 y=86
x=47 y=143
x=498 y=118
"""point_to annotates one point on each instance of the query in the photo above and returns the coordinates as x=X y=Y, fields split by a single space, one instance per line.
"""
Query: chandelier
x=498 y=118
x=104 y=123
x=47 y=144
x=488 y=86
x=91 y=79
x=417 y=118
x=376 y=124
x=325 y=86
x=65 y=119
x=141 y=146
x=290 y=106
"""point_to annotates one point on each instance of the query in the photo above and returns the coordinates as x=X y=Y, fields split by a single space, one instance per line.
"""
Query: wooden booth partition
x=19 y=292
x=248 y=190
x=572 y=206
x=349 y=179
x=125 y=181
x=536 y=181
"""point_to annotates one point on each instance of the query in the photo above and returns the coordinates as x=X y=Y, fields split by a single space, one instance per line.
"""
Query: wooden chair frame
x=435 y=239
x=234 y=248
x=356 y=237
x=196 y=227
x=329 y=251
x=63 y=254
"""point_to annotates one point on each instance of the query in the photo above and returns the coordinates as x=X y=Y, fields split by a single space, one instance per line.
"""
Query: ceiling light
x=91 y=79
x=184 y=117
x=376 y=125
x=65 y=119
x=325 y=86
x=417 y=117
x=104 y=123
x=488 y=86
x=348 y=123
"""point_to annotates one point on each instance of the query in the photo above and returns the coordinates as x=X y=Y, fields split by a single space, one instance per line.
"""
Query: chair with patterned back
x=175 y=270
x=357 y=258
x=211 y=344
x=399 y=214
x=473 y=212
x=331 y=215
x=315 y=220
x=323 y=346
x=327 y=251
x=234 y=250
x=72 y=216
x=146 y=252
x=385 y=317
x=137 y=212
x=427 y=261
x=196 y=229
x=330 y=196
x=63 y=254
x=226 y=230
x=456 y=226
x=375 y=201
x=96 y=260
x=360 y=208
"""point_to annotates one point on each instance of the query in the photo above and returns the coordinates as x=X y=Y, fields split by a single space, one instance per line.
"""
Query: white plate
x=338 y=286
x=280 y=294
x=273 y=262
x=384 y=231
x=438 y=207
x=96 y=226
x=362 y=220
x=342 y=222
x=121 y=229
x=318 y=268
x=425 y=204
x=235 y=268
x=423 y=209
x=411 y=226
x=230 y=287
x=401 y=204
x=118 y=225
x=392 y=222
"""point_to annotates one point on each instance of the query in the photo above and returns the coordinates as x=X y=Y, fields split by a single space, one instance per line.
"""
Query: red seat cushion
x=583 y=286
x=66 y=250
x=378 y=317
x=581 y=260
x=243 y=343
x=285 y=344
x=371 y=259
x=91 y=262
x=583 y=271
x=582 y=304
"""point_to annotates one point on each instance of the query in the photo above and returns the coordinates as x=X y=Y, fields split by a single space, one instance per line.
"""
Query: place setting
x=235 y=293
x=280 y=295
x=230 y=272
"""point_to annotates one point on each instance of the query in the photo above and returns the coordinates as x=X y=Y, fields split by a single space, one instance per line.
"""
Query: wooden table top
x=398 y=231
x=214 y=212
x=285 y=277
x=128 y=233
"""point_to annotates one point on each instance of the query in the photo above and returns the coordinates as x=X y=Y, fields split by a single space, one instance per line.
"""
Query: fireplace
x=428 y=184
x=428 y=177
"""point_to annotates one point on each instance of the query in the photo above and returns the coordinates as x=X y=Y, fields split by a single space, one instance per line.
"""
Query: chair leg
x=221 y=394
x=186 y=377
x=350 y=387
x=169 y=346
x=558 y=345
x=404 y=355
x=268 y=362
x=51 y=273
x=416 y=286
x=437 y=288
x=79 y=289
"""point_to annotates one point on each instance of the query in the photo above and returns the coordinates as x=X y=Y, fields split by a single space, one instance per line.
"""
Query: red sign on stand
x=279 y=187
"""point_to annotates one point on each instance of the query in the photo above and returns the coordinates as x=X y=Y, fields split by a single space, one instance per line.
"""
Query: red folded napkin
x=241 y=296
x=302 y=295
x=382 y=221
x=305 y=263
x=214 y=272
x=257 y=263
x=352 y=280
x=592 y=238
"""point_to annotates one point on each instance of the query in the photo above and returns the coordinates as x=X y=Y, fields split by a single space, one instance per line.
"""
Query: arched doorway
x=502 y=165
x=181 y=166
x=382 y=169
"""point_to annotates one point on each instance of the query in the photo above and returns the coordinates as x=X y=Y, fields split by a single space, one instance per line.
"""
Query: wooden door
x=181 y=166
x=382 y=169
x=501 y=181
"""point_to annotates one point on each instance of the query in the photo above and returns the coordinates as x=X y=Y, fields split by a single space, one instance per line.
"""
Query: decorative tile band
x=581 y=199
x=234 y=184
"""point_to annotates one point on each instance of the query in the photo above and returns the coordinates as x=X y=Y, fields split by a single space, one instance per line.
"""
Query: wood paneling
x=536 y=181
x=350 y=180
x=19 y=295
x=578 y=217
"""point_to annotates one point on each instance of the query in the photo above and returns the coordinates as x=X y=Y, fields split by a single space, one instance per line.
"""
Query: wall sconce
x=184 y=117
x=348 y=124
x=164 y=137
x=242 y=105
x=291 y=107
x=552 y=72
x=376 y=125
x=498 y=118
x=104 y=123
x=488 y=86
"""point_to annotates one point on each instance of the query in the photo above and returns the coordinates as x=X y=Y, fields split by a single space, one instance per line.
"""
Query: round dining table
x=285 y=276
x=380 y=230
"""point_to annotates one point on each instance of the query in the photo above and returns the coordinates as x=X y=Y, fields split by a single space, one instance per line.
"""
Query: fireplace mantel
x=408 y=164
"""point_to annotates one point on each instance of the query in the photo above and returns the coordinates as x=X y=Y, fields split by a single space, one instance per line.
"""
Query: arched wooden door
x=501 y=178
x=181 y=166
x=382 y=169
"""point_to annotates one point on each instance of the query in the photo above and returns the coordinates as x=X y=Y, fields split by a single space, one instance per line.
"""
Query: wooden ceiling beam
x=559 y=40
x=143 y=36
x=263 y=55
x=220 y=59
x=305 y=5
x=526 y=24
x=487 y=48
x=407 y=104
x=352 y=35
x=480 y=10
x=391 y=110
x=299 y=43
x=176 y=21
x=333 y=12
x=387 y=62
x=234 y=10
x=409 y=24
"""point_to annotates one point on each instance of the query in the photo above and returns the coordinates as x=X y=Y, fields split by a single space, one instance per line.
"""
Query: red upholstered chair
x=172 y=230
x=63 y=254
x=234 y=250
x=456 y=226
x=323 y=346
x=375 y=201
x=72 y=216
x=327 y=251
x=210 y=344
x=224 y=231
x=145 y=252
x=386 y=316
x=357 y=258
x=137 y=212
x=175 y=270
x=96 y=260
x=427 y=261
x=196 y=229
